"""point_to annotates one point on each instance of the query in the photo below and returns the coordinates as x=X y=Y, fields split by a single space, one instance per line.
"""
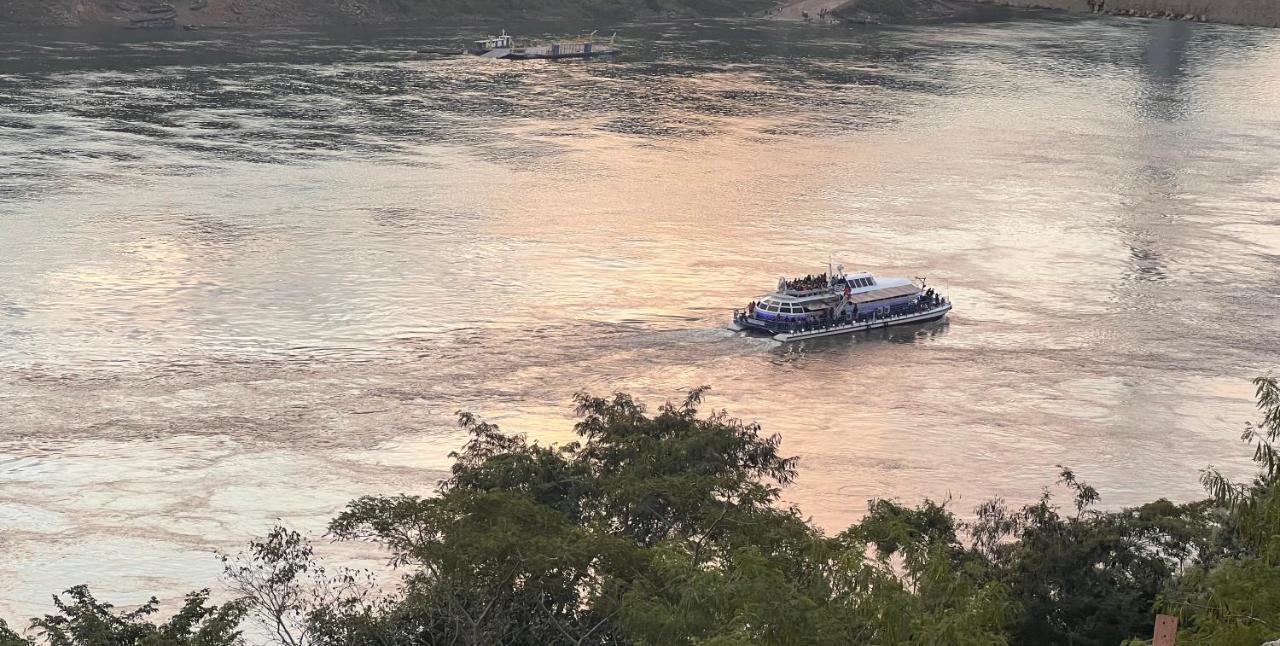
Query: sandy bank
x=1265 y=13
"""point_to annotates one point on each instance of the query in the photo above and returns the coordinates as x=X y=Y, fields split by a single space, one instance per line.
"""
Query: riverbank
x=1261 y=13
x=270 y=13
x=881 y=11
x=232 y=13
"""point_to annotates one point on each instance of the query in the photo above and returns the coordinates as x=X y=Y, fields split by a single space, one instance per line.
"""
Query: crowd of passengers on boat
x=807 y=283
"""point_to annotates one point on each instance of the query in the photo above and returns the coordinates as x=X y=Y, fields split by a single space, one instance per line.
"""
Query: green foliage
x=675 y=475
x=1234 y=603
x=1256 y=506
x=657 y=529
x=920 y=585
x=85 y=621
x=532 y=544
x=746 y=598
x=1090 y=578
x=661 y=529
x=1237 y=600
x=291 y=594
x=10 y=638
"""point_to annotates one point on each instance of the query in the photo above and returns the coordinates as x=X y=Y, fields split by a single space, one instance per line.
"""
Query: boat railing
x=843 y=322
x=806 y=292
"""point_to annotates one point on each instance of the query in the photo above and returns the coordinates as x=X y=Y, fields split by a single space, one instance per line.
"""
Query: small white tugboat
x=504 y=46
x=838 y=303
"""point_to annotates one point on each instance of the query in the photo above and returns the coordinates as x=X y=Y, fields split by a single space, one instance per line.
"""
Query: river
x=248 y=276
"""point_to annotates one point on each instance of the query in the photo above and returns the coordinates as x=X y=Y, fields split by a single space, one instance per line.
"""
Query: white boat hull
x=925 y=316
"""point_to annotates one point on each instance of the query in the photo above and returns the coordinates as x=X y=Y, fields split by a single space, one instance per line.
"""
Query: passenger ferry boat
x=838 y=303
x=504 y=47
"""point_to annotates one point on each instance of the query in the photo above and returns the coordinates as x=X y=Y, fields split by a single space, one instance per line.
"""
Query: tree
x=85 y=621
x=290 y=593
x=10 y=638
x=532 y=544
x=1237 y=599
x=657 y=529
x=921 y=585
x=666 y=529
x=1091 y=577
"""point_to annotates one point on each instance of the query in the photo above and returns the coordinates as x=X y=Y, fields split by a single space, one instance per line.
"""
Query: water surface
x=250 y=276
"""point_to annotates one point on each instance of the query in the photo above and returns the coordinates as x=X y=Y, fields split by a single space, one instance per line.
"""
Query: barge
x=504 y=47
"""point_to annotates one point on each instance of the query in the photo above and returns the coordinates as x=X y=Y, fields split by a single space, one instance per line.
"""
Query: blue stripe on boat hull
x=860 y=326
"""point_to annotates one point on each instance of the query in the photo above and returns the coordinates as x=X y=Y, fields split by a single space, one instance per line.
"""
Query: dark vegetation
x=665 y=529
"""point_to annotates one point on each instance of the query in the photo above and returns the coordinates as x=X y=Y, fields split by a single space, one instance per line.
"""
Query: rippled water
x=252 y=276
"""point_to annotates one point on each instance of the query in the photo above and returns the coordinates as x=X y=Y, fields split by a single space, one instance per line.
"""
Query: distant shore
x=195 y=14
x=1261 y=13
x=174 y=14
x=1264 y=13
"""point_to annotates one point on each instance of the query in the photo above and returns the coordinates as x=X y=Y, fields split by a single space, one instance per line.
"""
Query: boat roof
x=887 y=287
x=883 y=293
x=885 y=282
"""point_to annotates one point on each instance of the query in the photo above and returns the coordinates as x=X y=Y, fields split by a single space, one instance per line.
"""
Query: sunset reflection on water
x=236 y=286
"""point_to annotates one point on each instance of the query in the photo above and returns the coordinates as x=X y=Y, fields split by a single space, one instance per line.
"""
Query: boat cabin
x=824 y=297
x=860 y=281
x=494 y=42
